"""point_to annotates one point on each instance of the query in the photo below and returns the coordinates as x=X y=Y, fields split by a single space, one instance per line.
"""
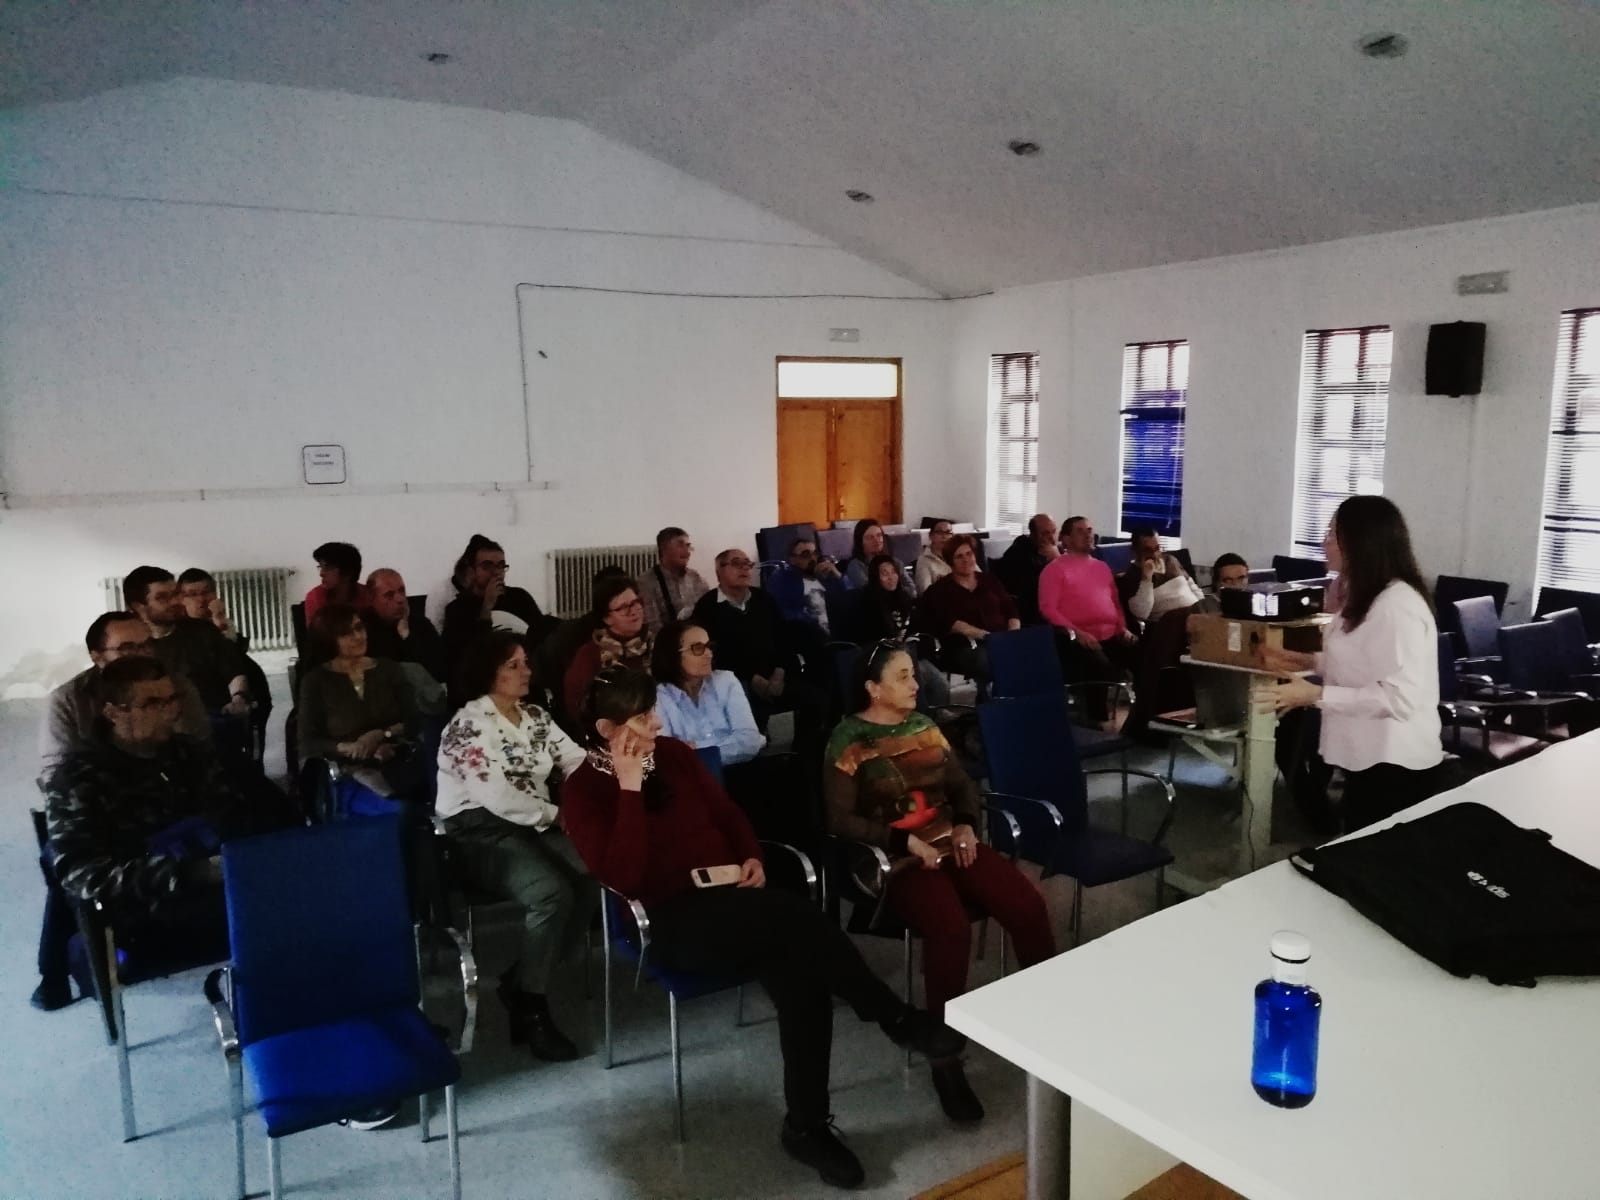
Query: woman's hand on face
x=1293 y=693
x=1286 y=662
x=923 y=851
x=754 y=876
x=965 y=842
x=627 y=759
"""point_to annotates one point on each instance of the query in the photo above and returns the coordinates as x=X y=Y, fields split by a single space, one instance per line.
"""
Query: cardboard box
x=1232 y=642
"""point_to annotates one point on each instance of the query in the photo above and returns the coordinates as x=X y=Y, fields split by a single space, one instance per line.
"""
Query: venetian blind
x=1569 y=534
x=1155 y=397
x=1013 y=439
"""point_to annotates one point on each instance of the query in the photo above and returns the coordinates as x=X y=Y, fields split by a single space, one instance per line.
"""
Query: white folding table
x=1428 y=1085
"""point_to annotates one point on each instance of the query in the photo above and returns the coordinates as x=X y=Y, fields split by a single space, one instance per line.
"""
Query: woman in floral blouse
x=495 y=762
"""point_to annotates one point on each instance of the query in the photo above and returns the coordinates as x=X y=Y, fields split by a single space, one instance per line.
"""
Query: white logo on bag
x=1493 y=889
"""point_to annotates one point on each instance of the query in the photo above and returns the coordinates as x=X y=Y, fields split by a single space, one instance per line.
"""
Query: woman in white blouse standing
x=697 y=704
x=1379 y=694
x=495 y=762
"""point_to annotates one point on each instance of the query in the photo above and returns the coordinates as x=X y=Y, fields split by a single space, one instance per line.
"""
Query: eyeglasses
x=739 y=564
x=499 y=565
x=152 y=704
x=628 y=607
x=127 y=648
x=698 y=649
x=804 y=554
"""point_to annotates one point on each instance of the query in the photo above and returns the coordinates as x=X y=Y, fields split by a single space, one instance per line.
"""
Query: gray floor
x=528 y=1129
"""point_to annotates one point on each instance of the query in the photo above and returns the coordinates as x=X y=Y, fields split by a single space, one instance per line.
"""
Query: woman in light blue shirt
x=699 y=705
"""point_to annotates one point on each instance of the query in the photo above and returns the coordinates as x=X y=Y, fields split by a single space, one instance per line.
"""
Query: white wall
x=1468 y=473
x=199 y=277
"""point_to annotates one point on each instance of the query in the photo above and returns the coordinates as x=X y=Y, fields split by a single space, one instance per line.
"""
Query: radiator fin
x=572 y=573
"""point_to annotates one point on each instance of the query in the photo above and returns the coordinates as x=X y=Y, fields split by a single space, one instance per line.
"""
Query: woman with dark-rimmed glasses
x=620 y=637
x=697 y=703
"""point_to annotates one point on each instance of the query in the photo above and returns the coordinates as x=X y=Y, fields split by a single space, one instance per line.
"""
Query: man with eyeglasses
x=72 y=718
x=747 y=628
x=673 y=587
x=487 y=602
x=136 y=816
x=802 y=584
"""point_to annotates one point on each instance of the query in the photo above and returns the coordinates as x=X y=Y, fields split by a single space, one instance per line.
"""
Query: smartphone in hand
x=706 y=877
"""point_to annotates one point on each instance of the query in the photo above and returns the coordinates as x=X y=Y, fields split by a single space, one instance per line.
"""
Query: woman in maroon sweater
x=963 y=609
x=643 y=812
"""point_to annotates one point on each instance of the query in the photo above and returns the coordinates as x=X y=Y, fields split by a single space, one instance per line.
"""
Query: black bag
x=1472 y=892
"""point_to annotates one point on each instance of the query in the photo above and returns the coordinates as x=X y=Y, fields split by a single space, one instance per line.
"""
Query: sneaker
x=372 y=1118
x=52 y=994
x=918 y=1031
x=956 y=1097
x=819 y=1147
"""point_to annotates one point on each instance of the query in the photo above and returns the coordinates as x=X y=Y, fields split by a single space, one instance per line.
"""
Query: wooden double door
x=838 y=459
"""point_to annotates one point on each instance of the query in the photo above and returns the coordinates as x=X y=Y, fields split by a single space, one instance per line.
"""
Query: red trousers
x=938 y=907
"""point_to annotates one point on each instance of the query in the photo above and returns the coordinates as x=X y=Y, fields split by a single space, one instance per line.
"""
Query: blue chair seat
x=1097 y=856
x=311 y=1077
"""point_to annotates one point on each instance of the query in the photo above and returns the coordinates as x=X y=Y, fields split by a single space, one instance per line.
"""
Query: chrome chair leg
x=274 y=1169
x=1124 y=792
x=424 y=1110
x=605 y=970
x=677 y=1063
x=454 y=1133
x=236 y=1102
x=124 y=1067
x=738 y=1012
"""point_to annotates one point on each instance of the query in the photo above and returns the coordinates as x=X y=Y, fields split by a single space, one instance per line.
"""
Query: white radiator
x=572 y=573
x=257 y=601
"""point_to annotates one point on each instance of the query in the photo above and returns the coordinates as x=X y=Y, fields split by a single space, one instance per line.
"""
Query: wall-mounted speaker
x=1455 y=359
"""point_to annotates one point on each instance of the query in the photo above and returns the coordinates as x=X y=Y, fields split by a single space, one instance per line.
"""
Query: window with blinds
x=1013 y=439
x=1344 y=422
x=1155 y=396
x=1569 y=535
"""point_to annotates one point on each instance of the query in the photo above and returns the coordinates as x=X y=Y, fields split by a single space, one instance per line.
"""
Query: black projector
x=1271 y=602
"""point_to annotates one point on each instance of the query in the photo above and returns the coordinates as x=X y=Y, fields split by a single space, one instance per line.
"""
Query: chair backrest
x=1479 y=625
x=1028 y=742
x=773 y=542
x=835 y=543
x=1116 y=555
x=1290 y=569
x=930 y=522
x=1183 y=556
x=1447 y=589
x=1449 y=686
x=847 y=614
x=1531 y=654
x=1574 y=643
x=297 y=618
x=1259 y=575
x=417 y=606
x=320 y=925
x=845 y=660
x=1023 y=662
x=1588 y=603
x=906 y=547
x=711 y=757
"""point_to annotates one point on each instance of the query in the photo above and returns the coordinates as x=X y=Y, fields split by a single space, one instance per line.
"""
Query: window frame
x=1135 y=412
x=1007 y=408
x=1572 y=435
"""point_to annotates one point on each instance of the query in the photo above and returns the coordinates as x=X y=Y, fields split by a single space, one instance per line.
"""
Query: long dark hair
x=1376 y=548
x=891 y=606
x=859 y=551
x=666 y=660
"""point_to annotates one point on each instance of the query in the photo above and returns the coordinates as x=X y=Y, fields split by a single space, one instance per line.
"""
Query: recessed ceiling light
x=1383 y=45
x=437 y=57
x=860 y=197
x=1022 y=148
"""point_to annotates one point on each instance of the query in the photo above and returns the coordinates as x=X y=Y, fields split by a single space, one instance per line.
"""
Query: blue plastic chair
x=1535 y=665
x=1447 y=589
x=1553 y=599
x=1577 y=656
x=1493 y=743
x=321 y=1005
x=1036 y=775
x=711 y=758
x=626 y=927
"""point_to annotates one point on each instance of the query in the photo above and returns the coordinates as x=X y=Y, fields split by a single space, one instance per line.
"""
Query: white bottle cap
x=1290 y=953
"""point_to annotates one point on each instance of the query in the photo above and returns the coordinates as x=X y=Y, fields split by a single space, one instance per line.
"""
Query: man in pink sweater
x=1078 y=595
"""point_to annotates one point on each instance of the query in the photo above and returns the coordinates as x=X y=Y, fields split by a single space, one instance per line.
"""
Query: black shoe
x=819 y=1147
x=533 y=1026
x=372 y=1118
x=956 y=1097
x=52 y=994
x=918 y=1031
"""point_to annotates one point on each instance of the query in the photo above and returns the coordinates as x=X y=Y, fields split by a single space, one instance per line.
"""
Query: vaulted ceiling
x=1168 y=130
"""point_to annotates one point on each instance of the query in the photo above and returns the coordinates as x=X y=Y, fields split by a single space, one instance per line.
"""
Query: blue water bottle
x=1283 y=1068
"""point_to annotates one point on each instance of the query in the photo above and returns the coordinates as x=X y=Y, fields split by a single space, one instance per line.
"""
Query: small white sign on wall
x=322 y=464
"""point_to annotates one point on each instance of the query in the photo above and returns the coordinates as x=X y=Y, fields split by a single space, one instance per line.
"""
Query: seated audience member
x=744 y=623
x=697 y=704
x=802 y=584
x=1155 y=583
x=193 y=649
x=197 y=590
x=136 y=816
x=673 y=587
x=486 y=602
x=495 y=763
x=339 y=569
x=868 y=542
x=618 y=636
x=394 y=634
x=1078 y=595
x=357 y=709
x=72 y=722
x=440 y=597
x=1025 y=559
x=644 y=812
x=890 y=613
x=891 y=781
x=1230 y=572
x=963 y=609
x=931 y=566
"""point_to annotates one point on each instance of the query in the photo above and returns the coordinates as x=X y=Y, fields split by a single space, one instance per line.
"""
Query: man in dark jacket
x=487 y=603
x=393 y=633
x=1019 y=567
